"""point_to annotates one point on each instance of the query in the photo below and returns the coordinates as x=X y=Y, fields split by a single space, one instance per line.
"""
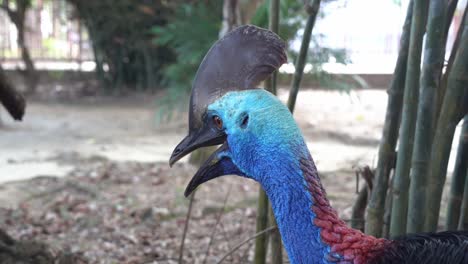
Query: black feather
x=426 y=248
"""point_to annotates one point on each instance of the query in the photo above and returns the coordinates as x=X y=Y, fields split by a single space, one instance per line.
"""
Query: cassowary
x=261 y=141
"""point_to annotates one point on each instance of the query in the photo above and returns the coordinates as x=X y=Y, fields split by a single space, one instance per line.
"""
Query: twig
x=218 y=219
x=223 y=229
x=187 y=220
x=245 y=255
x=265 y=231
x=368 y=176
x=359 y=207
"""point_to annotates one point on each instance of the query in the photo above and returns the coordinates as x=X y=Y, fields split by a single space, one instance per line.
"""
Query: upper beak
x=203 y=137
x=218 y=164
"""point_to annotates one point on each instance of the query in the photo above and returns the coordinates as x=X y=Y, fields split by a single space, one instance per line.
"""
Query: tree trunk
x=386 y=157
x=458 y=179
x=31 y=75
x=434 y=53
x=452 y=112
x=11 y=99
x=231 y=16
x=18 y=17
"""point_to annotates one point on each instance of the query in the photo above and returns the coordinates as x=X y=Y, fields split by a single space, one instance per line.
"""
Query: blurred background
x=107 y=85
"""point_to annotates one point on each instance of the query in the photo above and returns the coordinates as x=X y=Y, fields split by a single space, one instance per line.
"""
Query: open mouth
x=217 y=165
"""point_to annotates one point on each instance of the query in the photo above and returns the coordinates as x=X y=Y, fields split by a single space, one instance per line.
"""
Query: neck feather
x=311 y=230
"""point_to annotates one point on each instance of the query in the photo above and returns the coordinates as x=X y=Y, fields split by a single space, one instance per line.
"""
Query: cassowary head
x=260 y=135
x=226 y=108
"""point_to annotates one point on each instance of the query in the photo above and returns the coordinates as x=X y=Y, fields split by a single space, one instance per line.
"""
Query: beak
x=218 y=164
x=204 y=137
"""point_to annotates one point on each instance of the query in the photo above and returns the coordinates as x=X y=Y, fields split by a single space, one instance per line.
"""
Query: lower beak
x=197 y=139
x=218 y=164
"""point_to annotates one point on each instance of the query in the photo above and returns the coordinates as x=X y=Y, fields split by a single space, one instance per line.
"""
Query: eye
x=218 y=122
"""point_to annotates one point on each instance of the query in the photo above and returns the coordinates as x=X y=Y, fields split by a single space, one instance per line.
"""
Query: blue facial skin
x=266 y=144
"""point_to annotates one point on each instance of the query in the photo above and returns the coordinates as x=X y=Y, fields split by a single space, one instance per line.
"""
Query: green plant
x=189 y=33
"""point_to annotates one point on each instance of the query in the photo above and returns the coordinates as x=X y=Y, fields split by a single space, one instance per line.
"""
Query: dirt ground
x=91 y=176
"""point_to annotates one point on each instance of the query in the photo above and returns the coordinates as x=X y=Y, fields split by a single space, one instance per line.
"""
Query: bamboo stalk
x=460 y=167
x=386 y=154
x=458 y=180
x=451 y=7
x=451 y=113
x=261 y=242
x=273 y=25
x=312 y=10
x=275 y=242
x=434 y=52
x=443 y=86
x=410 y=100
x=463 y=223
x=276 y=245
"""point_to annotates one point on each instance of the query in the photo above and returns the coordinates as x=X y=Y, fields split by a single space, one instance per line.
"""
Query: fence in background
x=52 y=35
x=57 y=41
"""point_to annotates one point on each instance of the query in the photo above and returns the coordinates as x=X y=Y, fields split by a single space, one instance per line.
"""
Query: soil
x=91 y=177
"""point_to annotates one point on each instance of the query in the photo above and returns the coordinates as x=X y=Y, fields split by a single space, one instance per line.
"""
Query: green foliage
x=17 y=4
x=189 y=34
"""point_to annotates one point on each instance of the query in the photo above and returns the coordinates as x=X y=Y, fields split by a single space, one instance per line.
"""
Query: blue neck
x=270 y=150
x=292 y=203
